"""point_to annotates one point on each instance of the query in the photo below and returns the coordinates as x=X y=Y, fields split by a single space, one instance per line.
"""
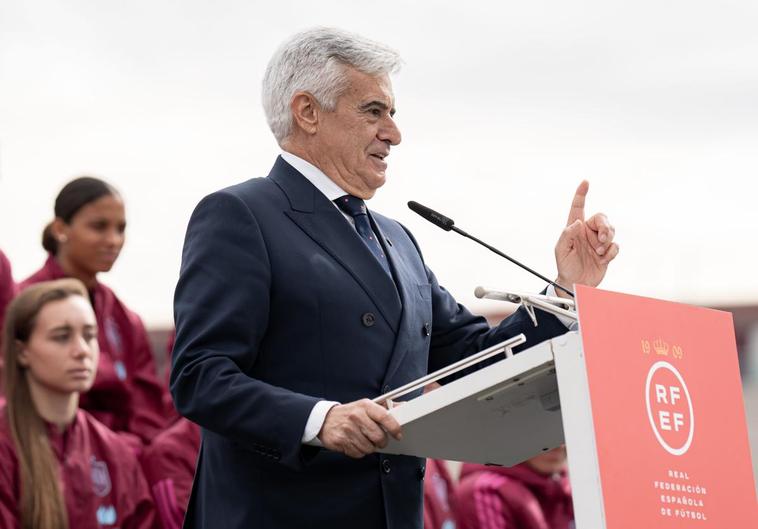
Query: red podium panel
x=665 y=391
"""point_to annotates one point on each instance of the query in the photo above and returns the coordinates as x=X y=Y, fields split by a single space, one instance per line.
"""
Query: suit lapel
x=405 y=286
x=323 y=223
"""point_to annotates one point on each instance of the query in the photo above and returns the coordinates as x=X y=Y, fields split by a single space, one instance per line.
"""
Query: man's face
x=354 y=140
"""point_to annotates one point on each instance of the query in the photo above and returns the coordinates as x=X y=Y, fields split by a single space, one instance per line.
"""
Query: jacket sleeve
x=221 y=308
x=169 y=512
x=457 y=333
x=142 y=513
x=491 y=511
x=149 y=414
x=169 y=466
x=8 y=288
x=9 y=489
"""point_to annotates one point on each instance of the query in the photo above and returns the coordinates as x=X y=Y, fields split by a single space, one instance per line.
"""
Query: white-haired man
x=296 y=305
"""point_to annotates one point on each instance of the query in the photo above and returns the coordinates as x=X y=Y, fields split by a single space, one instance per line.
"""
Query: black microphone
x=448 y=224
x=432 y=216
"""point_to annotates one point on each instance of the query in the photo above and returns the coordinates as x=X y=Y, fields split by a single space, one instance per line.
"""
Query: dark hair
x=73 y=197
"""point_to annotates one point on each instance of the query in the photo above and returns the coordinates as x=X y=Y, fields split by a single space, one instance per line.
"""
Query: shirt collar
x=53 y=270
x=60 y=440
x=315 y=176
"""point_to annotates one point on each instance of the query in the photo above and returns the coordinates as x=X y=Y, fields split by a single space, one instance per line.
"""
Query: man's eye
x=376 y=112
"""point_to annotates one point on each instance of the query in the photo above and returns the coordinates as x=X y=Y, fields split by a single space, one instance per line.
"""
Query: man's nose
x=390 y=132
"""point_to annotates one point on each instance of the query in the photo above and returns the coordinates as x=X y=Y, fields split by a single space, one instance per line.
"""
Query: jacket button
x=386 y=466
x=386 y=389
x=368 y=319
x=421 y=472
x=427 y=330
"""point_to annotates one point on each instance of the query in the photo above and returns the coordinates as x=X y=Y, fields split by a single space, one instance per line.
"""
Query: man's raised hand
x=585 y=247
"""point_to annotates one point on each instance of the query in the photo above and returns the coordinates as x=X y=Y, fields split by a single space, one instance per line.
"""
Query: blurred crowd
x=89 y=436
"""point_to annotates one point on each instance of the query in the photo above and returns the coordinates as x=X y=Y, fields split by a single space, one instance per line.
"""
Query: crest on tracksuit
x=101 y=478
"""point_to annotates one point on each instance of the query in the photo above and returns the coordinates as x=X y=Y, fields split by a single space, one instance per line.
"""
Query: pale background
x=504 y=108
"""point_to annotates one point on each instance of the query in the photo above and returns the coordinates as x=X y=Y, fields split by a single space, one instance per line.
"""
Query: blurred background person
x=439 y=490
x=7 y=291
x=7 y=286
x=60 y=467
x=535 y=494
x=83 y=240
x=169 y=466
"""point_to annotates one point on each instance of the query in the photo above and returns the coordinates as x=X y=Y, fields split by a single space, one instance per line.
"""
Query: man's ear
x=23 y=355
x=305 y=111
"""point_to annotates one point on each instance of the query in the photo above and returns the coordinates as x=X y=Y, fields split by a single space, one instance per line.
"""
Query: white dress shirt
x=317 y=177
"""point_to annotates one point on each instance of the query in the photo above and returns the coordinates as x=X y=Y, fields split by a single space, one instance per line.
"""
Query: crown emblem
x=661 y=347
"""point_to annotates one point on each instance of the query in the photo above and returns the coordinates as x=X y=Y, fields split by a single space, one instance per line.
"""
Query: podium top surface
x=502 y=414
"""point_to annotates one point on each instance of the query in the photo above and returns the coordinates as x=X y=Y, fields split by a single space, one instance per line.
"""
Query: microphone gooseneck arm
x=448 y=224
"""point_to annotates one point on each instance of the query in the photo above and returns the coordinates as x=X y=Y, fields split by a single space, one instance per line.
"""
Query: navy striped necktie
x=356 y=208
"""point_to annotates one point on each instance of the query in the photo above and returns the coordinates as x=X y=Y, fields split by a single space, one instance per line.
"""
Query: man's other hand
x=585 y=247
x=358 y=428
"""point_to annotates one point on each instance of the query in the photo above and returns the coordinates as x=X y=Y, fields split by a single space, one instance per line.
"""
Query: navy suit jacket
x=280 y=304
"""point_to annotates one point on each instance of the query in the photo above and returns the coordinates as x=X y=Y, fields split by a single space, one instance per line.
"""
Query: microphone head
x=432 y=216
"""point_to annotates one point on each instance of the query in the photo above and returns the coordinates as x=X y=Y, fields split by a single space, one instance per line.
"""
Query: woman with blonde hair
x=59 y=467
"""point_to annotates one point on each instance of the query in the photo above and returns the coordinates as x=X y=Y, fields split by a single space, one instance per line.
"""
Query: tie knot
x=351 y=205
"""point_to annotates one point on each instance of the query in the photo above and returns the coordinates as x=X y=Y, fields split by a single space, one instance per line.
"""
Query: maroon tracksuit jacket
x=7 y=286
x=169 y=465
x=103 y=485
x=7 y=291
x=512 y=498
x=438 y=495
x=126 y=395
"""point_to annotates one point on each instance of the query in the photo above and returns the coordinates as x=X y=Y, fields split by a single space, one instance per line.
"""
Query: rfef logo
x=669 y=408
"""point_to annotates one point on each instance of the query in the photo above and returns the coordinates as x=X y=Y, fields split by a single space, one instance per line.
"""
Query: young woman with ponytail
x=85 y=239
x=59 y=467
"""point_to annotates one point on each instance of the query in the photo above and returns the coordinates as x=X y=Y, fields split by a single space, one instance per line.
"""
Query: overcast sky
x=504 y=108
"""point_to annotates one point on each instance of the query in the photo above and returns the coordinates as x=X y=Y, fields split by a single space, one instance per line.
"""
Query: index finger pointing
x=577 y=205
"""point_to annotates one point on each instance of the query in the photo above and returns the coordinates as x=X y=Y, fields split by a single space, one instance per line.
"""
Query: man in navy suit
x=296 y=304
